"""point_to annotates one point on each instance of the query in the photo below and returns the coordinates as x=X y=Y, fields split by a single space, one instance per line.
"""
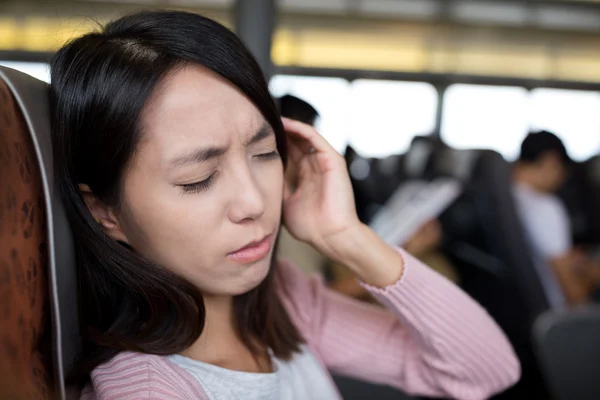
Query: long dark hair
x=100 y=84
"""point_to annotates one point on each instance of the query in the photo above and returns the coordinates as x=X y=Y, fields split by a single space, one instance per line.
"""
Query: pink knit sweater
x=433 y=340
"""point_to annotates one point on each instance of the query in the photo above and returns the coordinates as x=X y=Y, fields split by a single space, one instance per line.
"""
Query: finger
x=314 y=162
x=308 y=133
x=320 y=155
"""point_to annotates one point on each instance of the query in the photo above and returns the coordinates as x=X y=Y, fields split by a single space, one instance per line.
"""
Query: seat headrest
x=32 y=96
x=417 y=157
x=593 y=170
x=458 y=163
x=25 y=359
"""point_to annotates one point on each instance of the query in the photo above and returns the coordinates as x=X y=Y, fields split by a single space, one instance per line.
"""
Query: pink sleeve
x=134 y=376
x=436 y=341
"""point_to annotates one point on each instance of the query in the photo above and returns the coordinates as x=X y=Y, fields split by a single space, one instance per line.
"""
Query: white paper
x=411 y=206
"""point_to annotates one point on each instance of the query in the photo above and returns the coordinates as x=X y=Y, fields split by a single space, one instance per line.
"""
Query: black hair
x=295 y=108
x=100 y=84
x=540 y=143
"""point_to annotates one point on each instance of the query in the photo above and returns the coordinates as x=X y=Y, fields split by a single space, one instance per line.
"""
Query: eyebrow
x=208 y=153
x=264 y=132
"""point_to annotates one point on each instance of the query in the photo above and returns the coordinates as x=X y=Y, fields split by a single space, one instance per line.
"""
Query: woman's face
x=205 y=182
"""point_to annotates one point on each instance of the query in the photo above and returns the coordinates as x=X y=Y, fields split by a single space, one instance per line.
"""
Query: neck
x=220 y=344
x=525 y=175
x=219 y=329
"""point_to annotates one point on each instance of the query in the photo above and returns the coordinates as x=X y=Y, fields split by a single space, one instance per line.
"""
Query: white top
x=547 y=227
x=546 y=221
x=300 y=378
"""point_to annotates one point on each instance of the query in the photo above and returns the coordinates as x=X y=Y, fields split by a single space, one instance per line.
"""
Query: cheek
x=172 y=229
x=270 y=179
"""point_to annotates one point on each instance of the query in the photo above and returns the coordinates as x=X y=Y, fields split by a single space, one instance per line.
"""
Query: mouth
x=253 y=251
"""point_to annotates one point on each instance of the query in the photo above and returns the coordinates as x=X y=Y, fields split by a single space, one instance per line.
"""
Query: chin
x=253 y=276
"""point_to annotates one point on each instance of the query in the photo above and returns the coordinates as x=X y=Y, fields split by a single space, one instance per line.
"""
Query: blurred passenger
x=170 y=158
x=542 y=168
x=301 y=254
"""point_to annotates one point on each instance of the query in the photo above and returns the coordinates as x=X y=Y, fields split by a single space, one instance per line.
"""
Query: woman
x=169 y=156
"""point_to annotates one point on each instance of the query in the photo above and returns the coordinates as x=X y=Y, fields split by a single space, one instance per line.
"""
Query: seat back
x=25 y=365
x=374 y=180
x=45 y=215
x=581 y=195
x=591 y=196
x=490 y=249
x=486 y=216
x=577 y=195
x=567 y=347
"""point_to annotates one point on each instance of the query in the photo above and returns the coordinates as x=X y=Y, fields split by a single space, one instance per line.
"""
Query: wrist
x=342 y=246
x=365 y=254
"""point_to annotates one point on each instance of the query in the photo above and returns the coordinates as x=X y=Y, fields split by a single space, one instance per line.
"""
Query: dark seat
x=483 y=235
x=574 y=195
x=384 y=175
x=591 y=196
x=37 y=269
x=581 y=194
x=567 y=346
x=489 y=247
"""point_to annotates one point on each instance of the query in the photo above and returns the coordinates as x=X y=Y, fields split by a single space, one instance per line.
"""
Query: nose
x=247 y=202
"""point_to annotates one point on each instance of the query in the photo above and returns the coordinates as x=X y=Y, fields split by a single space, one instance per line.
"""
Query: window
x=384 y=116
x=572 y=115
x=485 y=117
x=378 y=118
x=40 y=71
x=327 y=95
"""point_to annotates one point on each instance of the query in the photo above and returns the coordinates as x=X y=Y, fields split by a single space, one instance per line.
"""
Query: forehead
x=194 y=107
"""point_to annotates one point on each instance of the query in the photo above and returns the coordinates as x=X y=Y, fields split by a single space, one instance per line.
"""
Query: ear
x=104 y=215
x=290 y=176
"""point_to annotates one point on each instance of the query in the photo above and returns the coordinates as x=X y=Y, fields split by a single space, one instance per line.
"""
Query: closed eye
x=268 y=156
x=197 y=187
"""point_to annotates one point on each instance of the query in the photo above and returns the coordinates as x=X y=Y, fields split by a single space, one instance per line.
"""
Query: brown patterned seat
x=25 y=367
x=38 y=304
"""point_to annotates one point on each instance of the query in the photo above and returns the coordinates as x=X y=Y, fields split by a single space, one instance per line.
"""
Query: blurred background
x=427 y=89
x=478 y=73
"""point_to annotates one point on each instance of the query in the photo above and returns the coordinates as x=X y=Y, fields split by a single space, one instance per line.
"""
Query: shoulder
x=550 y=209
x=547 y=222
x=543 y=204
x=556 y=204
x=131 y=375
